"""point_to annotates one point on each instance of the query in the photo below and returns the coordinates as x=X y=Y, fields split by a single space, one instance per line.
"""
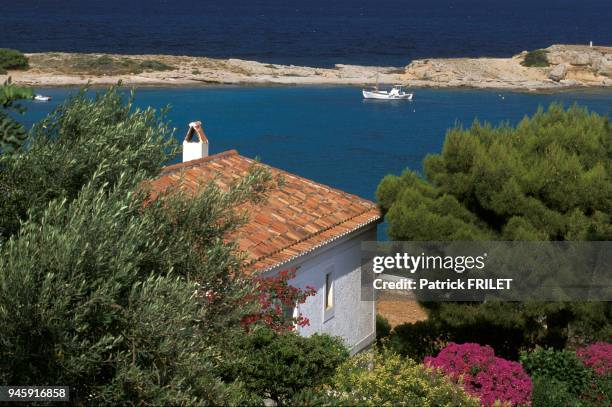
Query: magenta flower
x=597 y=356
x=484 y=375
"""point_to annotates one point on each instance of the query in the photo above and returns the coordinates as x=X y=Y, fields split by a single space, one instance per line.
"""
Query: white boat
x=42 y=98
x=396 y=93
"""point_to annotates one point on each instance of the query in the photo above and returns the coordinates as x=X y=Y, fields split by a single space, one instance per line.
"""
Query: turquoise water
x=330 y=134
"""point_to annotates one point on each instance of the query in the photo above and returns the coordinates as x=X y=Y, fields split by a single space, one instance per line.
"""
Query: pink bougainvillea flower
x=490 y=378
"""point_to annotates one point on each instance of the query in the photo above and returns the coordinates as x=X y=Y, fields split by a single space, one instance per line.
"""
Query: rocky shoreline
x=570 y=66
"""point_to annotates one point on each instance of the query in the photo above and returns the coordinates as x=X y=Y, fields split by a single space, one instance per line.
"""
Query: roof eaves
x=319 y=245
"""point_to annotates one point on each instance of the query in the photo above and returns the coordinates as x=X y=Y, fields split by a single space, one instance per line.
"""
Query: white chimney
x=195 y=144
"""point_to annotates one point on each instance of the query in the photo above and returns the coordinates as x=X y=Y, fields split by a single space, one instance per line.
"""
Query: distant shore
x=569 y=66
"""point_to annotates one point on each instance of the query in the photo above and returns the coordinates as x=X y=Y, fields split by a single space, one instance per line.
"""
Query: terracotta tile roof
x=298 y=217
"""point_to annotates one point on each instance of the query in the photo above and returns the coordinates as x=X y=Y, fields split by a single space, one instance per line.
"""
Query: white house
x=304 y=225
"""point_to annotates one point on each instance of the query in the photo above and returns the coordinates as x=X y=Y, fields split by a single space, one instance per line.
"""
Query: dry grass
x=399 y=309
x=95 y=64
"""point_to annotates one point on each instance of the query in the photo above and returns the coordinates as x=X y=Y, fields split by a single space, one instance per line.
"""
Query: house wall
x=350 y=318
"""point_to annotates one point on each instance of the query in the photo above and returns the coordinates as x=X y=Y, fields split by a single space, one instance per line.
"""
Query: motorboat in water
x=42 y=98
x=395 y=93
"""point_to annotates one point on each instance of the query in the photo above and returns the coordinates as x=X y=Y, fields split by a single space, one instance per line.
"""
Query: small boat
x=396 y=93
x=42 y=98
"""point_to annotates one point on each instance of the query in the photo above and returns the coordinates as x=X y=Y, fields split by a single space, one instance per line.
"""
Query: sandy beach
x=571 y=66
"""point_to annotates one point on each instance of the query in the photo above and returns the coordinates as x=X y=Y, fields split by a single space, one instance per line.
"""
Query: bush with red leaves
x=273 y=297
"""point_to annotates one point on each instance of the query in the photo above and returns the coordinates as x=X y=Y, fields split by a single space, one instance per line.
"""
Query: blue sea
x=313 y=32
x=331 y=134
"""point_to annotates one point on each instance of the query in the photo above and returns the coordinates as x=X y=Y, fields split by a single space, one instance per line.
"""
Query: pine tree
x=548 y=178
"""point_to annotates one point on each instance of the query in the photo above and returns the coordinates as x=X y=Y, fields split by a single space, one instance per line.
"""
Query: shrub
x=154 y=65
x=125 y=138
x=383 y=327
x=12 y=59
x=536 y=58
x=417 y=340
x=274 y=296
x=280 y=365
x=322 y=397
x=598 y=357
x=548 y=392
x=484 y=375
x=386 y=378
x=561 y=366
x=94 y=64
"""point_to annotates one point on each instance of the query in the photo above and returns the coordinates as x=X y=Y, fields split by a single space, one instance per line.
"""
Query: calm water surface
x=330 y=134
x=313 y=32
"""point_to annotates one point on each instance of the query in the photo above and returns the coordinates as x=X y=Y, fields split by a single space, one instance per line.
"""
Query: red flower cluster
x=597 y=356
x=485 y=376
x=275 y=299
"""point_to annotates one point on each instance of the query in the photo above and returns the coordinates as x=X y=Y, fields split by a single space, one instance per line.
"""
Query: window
x=329 y=291
x=288 y=311
x=328 y=300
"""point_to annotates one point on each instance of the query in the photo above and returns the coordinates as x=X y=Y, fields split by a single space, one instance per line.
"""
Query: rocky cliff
x=569 y=66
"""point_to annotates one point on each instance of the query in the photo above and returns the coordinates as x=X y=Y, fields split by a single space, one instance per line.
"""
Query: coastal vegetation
x=12 y=59
x=537 y=58
x=130 y=298
x=125 y=298
x=547 y=178
x=383 y=378
x=100 y=64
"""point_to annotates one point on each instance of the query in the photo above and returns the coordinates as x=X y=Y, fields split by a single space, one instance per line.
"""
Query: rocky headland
x=567 y=66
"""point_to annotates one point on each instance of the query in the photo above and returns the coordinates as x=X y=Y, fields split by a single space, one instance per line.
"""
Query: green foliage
x=417 y=340
x=153 y=65
x=383 y=327
x=600 y=391
x=12 y=133
x=548 y=392
x=90 y=299
x=536 y=58
x=93 y=64
x=66 y=148
x=561 y=366
x=11 y=94
x=102 y=293
x=280 y=366
x=319 y=397
x=560 y=378
x=548 y=178
x=12 y=59
x=383 y=378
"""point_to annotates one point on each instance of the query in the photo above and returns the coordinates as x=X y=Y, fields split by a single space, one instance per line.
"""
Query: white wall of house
x=349 y=317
